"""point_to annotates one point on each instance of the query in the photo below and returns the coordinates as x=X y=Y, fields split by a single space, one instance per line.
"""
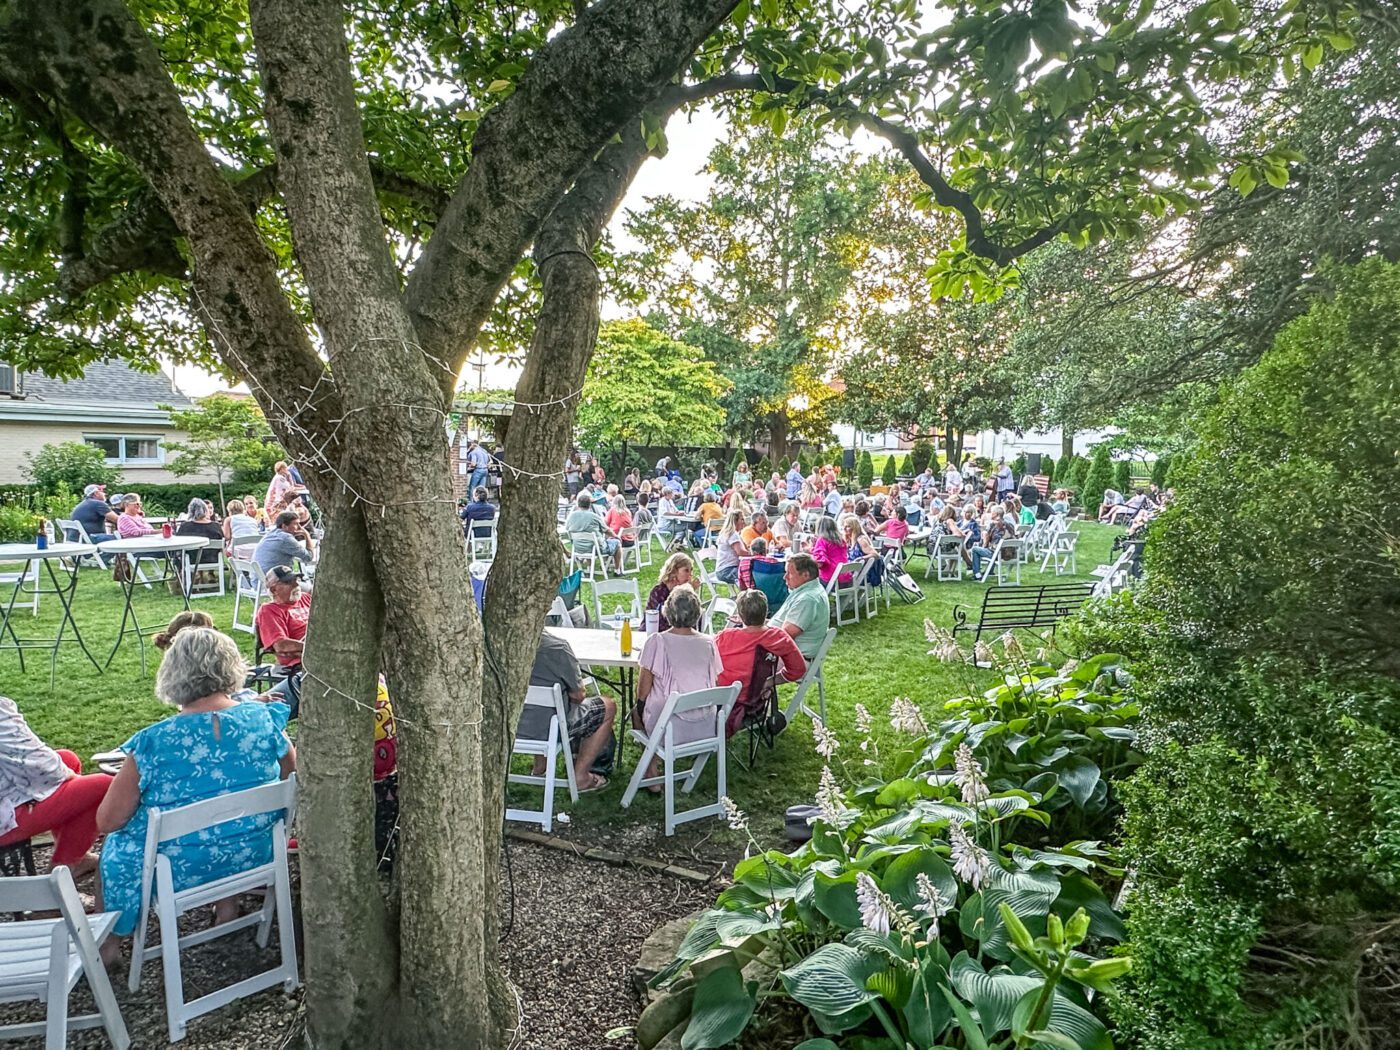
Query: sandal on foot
x=598 y=784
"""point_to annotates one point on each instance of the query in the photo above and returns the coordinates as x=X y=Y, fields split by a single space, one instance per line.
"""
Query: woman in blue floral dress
x=216 y=745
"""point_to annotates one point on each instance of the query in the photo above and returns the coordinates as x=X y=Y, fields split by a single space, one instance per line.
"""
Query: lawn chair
x=947 y=560
x=586 y=554
x=481 y=541
x=612 y=613
x=43 y=958
x=661 y=744
x=847 y=595
x=1006 y=560
x=1061 y=553
x=798 y=704
x=74 y=532
x=158 y=890
x=551 y=747
x=247 y=587
x=197 y=562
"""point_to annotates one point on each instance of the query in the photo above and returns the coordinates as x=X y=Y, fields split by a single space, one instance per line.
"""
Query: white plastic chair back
x=71 y=527
x=947 y=559
x=847 y=595
x=248 y=590
x=43 y=959
x=158 y=892
x=798 y=704
x=551 y=747
x=586 y=553
x=481 y=540
x=194 y=566
x=612 y=613
x=661 y=743
x=720 y=608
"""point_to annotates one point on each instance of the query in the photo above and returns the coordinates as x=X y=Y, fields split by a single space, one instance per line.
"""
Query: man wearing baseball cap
x=281 y=627
x=94 y=515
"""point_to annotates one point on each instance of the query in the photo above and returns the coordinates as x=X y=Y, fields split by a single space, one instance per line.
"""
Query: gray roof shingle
x=105 y=383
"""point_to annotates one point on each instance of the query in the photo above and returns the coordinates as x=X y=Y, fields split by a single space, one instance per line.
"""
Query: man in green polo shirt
x=806 y=612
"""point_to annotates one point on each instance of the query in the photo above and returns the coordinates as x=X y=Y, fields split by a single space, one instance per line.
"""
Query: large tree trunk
x=1066 y=443
x=777 y=435
x=352 y=961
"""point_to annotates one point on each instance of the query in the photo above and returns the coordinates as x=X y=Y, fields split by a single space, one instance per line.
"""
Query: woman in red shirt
x=738 y=647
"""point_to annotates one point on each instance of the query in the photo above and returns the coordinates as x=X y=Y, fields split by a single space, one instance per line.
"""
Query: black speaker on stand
x=1032 y=463
x=848 y=459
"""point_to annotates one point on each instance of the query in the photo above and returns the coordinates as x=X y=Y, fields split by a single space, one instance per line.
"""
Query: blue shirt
x=91 y=514
x=478 y=458
x=794 y=482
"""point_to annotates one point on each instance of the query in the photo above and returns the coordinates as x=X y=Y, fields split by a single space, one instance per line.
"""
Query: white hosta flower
x=874 y=910
x=862 y=720
x=970 y=862
x=1012 y=648
x=1042 y=655
x=825 y=739
x=945 y=646
x=831 y=807
x=936 y=634
x=906 y=717
x=734 y=815
x=969 y=777
x=932 y=904
x=1068 y=666
x=982 y=654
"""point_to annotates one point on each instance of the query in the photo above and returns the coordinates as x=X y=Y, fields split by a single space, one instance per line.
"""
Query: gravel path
x=577 y=928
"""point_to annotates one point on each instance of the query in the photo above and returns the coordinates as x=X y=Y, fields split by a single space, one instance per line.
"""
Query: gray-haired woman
x=680 y=660
x=199 y=521
x=215 y=745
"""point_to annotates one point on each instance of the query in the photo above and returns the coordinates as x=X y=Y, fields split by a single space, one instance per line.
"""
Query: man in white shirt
x=831 y=502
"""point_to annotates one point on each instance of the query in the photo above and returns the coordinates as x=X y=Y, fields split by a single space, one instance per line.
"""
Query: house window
x=129 y=449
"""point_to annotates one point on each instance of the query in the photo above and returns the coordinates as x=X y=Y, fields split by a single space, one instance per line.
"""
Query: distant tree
x=1098 y=479
x=68 y=467
x=1018 y=465
x=643 y=387
x=865 y=470
x=921 y=455
x=1123 y=475
x=763 y=469
x=228 y=437
x=906 y=466
x=804 y=462
x=1160 y=467
x=887 y=472
x=1047 y=467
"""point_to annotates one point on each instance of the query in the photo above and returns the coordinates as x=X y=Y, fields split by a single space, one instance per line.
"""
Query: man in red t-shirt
x=281 y=627
x=738 y=646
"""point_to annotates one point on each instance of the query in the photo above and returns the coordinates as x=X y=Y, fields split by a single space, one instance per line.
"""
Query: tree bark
x=777 y=435
x=1066 y=443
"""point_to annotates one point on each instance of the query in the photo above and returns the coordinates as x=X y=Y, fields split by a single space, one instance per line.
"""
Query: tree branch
x=577 y=93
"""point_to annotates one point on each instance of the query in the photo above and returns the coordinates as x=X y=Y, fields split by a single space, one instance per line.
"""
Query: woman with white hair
x=214 y=745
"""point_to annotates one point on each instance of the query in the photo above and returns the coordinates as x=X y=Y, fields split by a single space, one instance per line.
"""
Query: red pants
x=69 y=814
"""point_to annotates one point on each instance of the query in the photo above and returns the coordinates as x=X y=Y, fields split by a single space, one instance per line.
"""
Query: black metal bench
x=1015 y=606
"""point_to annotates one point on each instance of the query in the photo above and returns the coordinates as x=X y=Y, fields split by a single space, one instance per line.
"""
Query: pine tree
x=738 y=458
x=1047 y=467
x=906 y=467
x=784 y=464
x=921 y=455
x=1123 y=476
x=804 y=463
x=761 y=472
x=887 y=472
x=1018 y=465
x=1097 y=480
x=1160 y=467
x=865 y=471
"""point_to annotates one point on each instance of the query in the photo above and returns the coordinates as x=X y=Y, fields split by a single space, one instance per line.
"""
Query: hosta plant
x=913 y=918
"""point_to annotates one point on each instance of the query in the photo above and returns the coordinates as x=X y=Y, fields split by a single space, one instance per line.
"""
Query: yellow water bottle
x=627 y=636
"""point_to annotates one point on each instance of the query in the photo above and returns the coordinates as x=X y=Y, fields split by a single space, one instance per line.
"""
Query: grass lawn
x=871 y=663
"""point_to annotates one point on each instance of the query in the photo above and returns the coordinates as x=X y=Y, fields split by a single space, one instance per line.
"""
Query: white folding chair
x=644 y=535
x=43 y=958
x=18 y=576
x=847 y=596
x=158 y=889
x=586 y=553
x=247 y=585
x=708 y=591
x=1112 y=578
x=798 y=704
x=194 y=566
x=718 y=606
x=1006 y=560
x=947 y=560
x=616 y=611
x=661 y=743
x=73 y=531
x=481 y=541
x=554 y=744
x=630 y=556
x=1061 y=553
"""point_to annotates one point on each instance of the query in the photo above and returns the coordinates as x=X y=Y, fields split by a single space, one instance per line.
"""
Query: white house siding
x=21 y=438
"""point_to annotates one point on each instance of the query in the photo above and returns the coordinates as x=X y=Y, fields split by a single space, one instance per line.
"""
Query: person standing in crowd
x=279 y=490
x=573 y=473
x=793 y=481
x=478 y=461
x=1006 y=483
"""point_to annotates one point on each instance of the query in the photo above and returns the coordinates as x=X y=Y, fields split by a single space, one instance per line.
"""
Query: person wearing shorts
x=590 y=717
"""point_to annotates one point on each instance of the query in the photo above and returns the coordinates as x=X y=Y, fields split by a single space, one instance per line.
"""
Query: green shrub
x=1018 y=465
x=1263 y=826
x=906 y=466
x=888 y=472
x=1097 y=480
x=920 y=456
x=69 y=467
x=1160 y=466
x=865 y=471
x=804 y=463
x=1047 y=467
x=1123 y=476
